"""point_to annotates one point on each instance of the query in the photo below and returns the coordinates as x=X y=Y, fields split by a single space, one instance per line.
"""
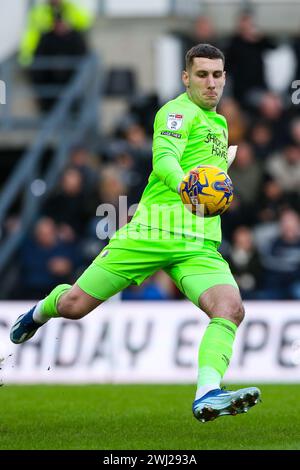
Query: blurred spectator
x=236 y=215
x=144 y=108
x=42 y=19
x=55 y=30
x=244 y=60
x=46 y=261
x=202 y=31
x=284 y=168
x=236 y=120
x=157 y=287
x=245 y=262
x=246 y=175
x=112 y=184
x=89 y=168
x=261 y=138
x=295 y=131
x=133 y=154
x=270 y=106
x=271 y=110
x=68 y=206
x=282 y=261
x=111 y=213
x=140 y=149
x=272 y=201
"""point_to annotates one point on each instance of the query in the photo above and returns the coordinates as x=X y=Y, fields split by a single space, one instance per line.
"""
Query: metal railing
x=59 y=126
x=17 y=92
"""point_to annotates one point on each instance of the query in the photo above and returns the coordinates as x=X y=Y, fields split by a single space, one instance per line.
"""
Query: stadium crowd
x=261 y=230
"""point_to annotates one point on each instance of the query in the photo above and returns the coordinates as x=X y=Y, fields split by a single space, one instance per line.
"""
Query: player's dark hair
x=203 y=50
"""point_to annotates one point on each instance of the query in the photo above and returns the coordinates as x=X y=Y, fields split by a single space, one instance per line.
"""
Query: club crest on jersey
x=174 y=121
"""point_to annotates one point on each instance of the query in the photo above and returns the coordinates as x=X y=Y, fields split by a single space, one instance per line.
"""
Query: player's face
x=205 y=81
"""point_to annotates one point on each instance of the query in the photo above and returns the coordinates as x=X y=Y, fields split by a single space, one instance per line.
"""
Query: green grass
x=140 y=417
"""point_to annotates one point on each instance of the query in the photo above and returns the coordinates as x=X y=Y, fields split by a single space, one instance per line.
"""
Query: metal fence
x=61 y=126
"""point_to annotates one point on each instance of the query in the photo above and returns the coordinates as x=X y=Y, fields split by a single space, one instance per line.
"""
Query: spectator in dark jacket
x=68 y=205
x=282 y=280
x=46 y=261
x=245 y=262
x=244 y=59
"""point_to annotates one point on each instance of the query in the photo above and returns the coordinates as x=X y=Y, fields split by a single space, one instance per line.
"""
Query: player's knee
x=71 y=306
x=234 y=311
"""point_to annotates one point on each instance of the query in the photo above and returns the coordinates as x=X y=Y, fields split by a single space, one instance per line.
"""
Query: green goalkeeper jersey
x=185 y=136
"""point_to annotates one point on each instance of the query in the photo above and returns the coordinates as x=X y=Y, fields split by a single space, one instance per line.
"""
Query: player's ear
x=185 y=78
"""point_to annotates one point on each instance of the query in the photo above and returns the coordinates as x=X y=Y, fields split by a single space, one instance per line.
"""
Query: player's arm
x=169 y=141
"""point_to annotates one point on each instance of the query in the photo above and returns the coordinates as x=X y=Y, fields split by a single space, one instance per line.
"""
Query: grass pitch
x=156 y=417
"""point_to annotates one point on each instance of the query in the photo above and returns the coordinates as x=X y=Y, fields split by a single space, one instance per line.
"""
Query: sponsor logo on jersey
x=219 y=147
x=171 y=134
x=174 y=121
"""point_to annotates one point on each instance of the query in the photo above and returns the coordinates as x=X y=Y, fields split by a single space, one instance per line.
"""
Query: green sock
x=215 y=353
x=49 y=304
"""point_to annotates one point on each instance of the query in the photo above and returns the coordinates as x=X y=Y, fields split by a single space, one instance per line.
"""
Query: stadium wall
x=150 y=342
x=12 y=23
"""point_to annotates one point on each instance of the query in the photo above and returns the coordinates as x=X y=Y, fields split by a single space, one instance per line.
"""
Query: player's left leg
x=93 y=287
x=131 y=256
x=27 y=324
x=205 y=278
x=223 y=304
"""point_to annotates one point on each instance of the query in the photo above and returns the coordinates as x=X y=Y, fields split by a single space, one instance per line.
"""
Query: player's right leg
x=73 y=302
x=131 y=256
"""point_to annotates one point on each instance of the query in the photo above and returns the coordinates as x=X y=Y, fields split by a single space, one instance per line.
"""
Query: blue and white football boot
x=24 y=327
x=219 y=402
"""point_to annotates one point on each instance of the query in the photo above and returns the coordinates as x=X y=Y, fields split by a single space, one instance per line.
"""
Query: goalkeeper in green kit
x=163 y=234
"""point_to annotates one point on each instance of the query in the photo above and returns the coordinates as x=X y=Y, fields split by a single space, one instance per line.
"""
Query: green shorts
x=136 y=252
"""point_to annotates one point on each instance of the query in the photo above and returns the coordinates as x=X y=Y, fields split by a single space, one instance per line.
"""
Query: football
x=206 y=191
